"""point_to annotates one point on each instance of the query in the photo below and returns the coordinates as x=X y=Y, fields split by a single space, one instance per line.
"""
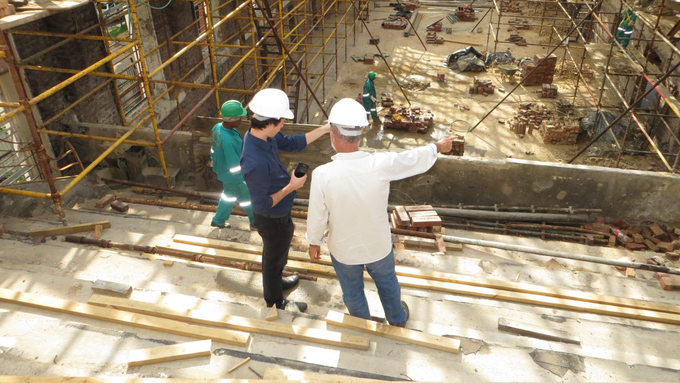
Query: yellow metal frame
x=294 y=22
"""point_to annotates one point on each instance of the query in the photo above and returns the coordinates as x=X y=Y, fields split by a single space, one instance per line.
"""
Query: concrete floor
x=40 y=342
x=407 y=57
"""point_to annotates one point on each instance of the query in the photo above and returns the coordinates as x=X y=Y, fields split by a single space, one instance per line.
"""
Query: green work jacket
x=226 y=154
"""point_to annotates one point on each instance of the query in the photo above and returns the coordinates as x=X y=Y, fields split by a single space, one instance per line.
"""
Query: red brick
x=636 y=246
x=665 y=246
x=105 y=201
x=667 y=283
x=621 y=223
x=638 y=238
x=672 y=256
x=658 y=232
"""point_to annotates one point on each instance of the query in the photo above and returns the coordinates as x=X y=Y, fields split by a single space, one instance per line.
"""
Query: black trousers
x=276 y=235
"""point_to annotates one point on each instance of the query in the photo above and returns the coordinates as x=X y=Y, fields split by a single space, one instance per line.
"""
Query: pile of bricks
x=374 y=41
x=518 y=24
x=396 y=22
x=413 y=120
x=416 y=218
x=652 y=237
x=510 y=6
x=559 y=130
x=432 y=38
x=436 y=27
x=466 y=13
x=548 y=91
x=483 y=87
x=517 y=39
x=544 y=73
x=529 y=116
x=458 y=148
x=386 y=100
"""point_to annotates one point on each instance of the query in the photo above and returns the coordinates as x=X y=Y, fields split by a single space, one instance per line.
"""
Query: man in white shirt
x=350 y=195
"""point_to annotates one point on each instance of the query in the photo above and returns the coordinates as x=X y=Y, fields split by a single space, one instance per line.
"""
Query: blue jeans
x=351 y=279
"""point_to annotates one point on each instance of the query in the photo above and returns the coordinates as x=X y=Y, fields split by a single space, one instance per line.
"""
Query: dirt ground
x=408 y=57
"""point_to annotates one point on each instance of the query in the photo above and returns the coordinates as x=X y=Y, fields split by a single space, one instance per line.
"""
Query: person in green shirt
x=369 y=97
x=226 y=157
x=625 y=30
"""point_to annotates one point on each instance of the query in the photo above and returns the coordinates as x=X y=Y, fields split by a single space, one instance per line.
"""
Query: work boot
x=290 y=282
x=225 y=226
x=295 y=307
x=408 y=314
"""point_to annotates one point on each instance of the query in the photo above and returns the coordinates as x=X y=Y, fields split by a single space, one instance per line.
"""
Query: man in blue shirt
x=272 y=188
x=225 y=153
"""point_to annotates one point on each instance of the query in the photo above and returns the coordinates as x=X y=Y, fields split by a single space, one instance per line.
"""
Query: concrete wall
x=634 y=195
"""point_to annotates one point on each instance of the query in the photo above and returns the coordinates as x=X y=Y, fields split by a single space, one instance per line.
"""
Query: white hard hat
x=271 y=103
x=348 y=112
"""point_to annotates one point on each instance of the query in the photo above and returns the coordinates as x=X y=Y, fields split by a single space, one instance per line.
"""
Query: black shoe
x=225 y=226
x=290 y=282
x=300 y=306
x=408 y=314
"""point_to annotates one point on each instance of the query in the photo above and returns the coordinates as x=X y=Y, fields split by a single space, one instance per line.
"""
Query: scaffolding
x=623 y=79
x=281 y=43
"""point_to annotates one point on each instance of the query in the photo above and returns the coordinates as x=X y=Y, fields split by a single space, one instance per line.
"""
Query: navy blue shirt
x=264 y=173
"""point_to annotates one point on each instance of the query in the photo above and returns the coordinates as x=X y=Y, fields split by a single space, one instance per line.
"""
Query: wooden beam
x=473 y=281
x=560 y=303
x=169 y=353
x=273 y=314
x=396 y=333
x=63 y=230
x=332 y=338
x=536 y=331
x=115 y=316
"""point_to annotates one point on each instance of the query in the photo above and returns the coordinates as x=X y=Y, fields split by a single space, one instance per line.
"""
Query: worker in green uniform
x=625 y=30
x=369 y=97
x=226 y=157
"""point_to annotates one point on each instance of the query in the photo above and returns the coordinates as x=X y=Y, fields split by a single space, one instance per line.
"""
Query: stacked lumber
x=416 y=218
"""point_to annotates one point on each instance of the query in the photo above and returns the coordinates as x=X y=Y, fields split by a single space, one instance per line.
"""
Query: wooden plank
x=169 y=353
x=63 y=230
x=305 y=376
x=428 y=213
x=536 y=331
x=332 y=338
x=244 y=361
x=69 y=379
x=402 y=215
x=273 y=314
x=498 y=284
x=396 y=333
x=107 y=287
x=242 y=247
x=425 y=221
x=418 y=208
x=116 y=316
x=98 y=231
x=560 y=303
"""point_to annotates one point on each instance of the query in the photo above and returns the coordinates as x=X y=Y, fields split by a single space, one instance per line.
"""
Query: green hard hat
x=232 y=109
x=372 y=75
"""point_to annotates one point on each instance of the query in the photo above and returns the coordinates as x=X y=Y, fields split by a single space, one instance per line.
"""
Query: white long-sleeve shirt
x=350 y=195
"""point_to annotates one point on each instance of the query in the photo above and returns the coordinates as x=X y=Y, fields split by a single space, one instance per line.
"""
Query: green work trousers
x=232 y=193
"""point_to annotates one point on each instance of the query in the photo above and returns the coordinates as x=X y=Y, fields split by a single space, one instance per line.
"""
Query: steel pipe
x=513 y=216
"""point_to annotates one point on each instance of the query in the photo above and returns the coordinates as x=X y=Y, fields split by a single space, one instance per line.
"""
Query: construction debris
x=412 y=120
x=106 y=287
x=548 y=91
x=518 y=24
x=395 y=22
x=517 y=39
x=560 y=130
x=529 y=116
x=416 y=218
x=120 y=206
x=435 y=27
x=368 y=59
x=466 y=13
x=374 y=41
x=466 y=60
x=386 y=100
x=432 y=38
x=510 y=6
x=483 y=87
